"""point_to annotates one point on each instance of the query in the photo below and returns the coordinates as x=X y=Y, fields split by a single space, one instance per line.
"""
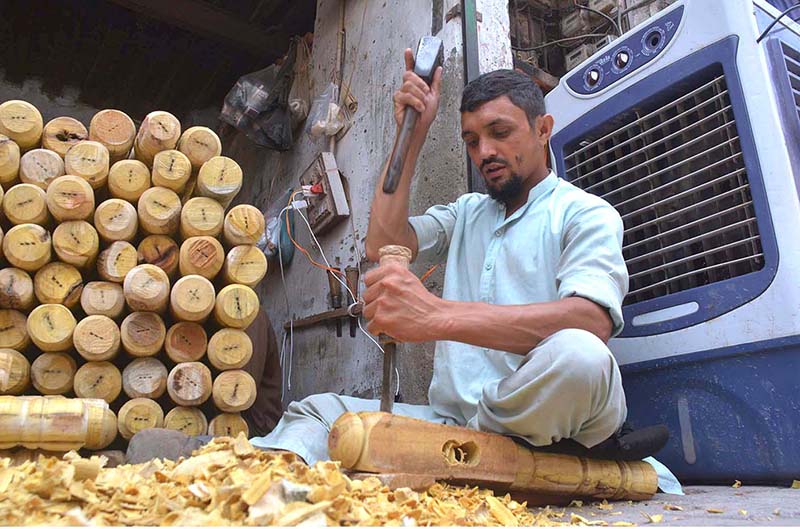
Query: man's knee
x=312 y=404
x=578 y=355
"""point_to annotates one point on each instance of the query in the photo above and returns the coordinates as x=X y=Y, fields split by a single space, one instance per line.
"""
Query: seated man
x=533 y=287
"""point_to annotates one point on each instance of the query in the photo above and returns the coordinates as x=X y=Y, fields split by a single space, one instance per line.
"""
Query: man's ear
x=544 y=128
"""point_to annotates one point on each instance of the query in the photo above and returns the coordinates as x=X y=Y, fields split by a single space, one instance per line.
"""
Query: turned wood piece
x=103 y=298
x=186 y=342
x=9 y=161
x=61 y=133
x=143 y=333
x=219 y=178
x=76 y=242
x=229 y=349
x=15 y=372
x=159 y=211
x=97 y=338
x=114 y=263
x=192 y=299
x=16 y=289
x=53 y=373
x=70 y=198
x=199 y=144
x=244 y=224
x=22 y=122
x=228 y=425
x=115 y=130
x=98 y=380
x=171 y=169
x=234 y=391
x=203 y=256
x=128 y=179
x=244 y=264
x=189 y=384
x=201 y=216
x=13 y=330
x=90 y=161
x=50 y=327
x=59 y=283
x=385 y=443
x=137 y=415
x=144 y=378
x=26 y=204
x=159 y=131
x=236 y=306
x=190 y=421
x=116 y=220
x=161 y=251
x=40 y=167
x=27 y=246
x=146 y=288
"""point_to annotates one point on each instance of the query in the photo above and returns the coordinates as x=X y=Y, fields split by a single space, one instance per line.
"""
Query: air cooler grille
x=792 y=60
x=673 y=168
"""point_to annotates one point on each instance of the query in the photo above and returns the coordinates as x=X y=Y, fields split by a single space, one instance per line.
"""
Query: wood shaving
x=736 y=484
x=715 y=511
x=653 y=518
x=670 y=507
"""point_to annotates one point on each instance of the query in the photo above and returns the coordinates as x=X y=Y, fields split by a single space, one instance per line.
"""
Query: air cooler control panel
x=627 y=55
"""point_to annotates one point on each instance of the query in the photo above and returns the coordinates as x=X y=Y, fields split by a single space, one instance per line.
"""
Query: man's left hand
x=399 y=305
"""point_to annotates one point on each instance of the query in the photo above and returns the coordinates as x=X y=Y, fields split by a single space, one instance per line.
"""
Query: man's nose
x=486 y=150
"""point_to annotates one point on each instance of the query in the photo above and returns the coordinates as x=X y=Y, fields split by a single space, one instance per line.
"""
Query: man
x=533 y=288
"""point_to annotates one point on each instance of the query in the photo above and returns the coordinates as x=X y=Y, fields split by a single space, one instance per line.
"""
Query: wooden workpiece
x=102 y=298
x=98 y=380
x=219 y=178
x=27 y=246
x=161 y=251
x=186 y=342
x=192 y=299
x=76 y=242
x=116 y=220
x=229 y=425
x=128 y=179
x=115 y=130
x=61 y=133
x=59 y=283
x=15 y=372
x=236 y=306
x=9 y=161
x=139 y=414
x=22 y=122
x=159 y=131
x=50 y=327
x=143 y=333
x=244 y=224
x=202 y=256
x=89 y=160
x=146 y=288
x=234 y=391
x=201 y=216
x=199 y=144
x=70 y=198
x=114 y=263
x=244 y=264
x=16 y=289
x=189 y=384
x=171 y=169
x=26 y=204
x=191 y=421
x=13 y=330
x=97 y=338
x=40 y=167
x=53 y=373
x=229 y=349
x=159 y=211
x=144 y=378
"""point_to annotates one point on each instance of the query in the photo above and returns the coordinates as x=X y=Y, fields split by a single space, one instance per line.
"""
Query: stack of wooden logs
x=123 y=278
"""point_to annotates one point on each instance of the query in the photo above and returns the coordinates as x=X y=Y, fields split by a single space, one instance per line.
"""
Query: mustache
x=493 y=159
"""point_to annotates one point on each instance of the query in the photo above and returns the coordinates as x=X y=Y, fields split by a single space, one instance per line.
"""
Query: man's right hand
x=416 y=93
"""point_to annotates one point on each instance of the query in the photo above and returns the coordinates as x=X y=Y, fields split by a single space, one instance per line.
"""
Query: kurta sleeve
x=434 y=230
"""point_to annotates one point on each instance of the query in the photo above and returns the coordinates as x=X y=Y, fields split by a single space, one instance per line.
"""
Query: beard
x=506 y=191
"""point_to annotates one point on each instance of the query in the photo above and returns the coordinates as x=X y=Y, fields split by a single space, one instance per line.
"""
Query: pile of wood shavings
x=229 y=482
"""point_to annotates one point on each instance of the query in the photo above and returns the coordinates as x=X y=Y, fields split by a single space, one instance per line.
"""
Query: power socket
x=331 y=207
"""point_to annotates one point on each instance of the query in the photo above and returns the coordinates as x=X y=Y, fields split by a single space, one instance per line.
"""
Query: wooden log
x=53 y=373
x=244 y=224
x=386 y=443
x=143 y=333
x=171 y=169
x=90 y=161
x=202 y=256
x=27 y=246
x=26 y=204
x=15 y=372
x=201 y=216
x=191 y=421
x=234 y=391
x=137 y=415
x=229 y=349
x=186 y=342
x=114 y=263
x=128 y=179
x=59 y=283
x=13 y=330
x=9 y=162
x=16 y=289
x=199 y=144
x=97 y=338
x=159 y=211
x=245 y=265
x=219 y=178
x=70 y=198
x=189 y=384
x=50 y=327
x=144 y=378
x=76 y=242
x=236 y=306
x=61 y=133
x=159 y=131
x=102 y=298
x=40 y=167
x=115 y=130
x=22 y=122
x=192 y=299
x=116 y=220
x=98 y=380
x=146 y=288
x=228 y=425
x=161 y=251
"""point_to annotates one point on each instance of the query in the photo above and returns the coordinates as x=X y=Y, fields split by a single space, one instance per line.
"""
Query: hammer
x=402 y=256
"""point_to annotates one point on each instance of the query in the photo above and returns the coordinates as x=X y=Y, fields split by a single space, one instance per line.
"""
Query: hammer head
x=430 y=54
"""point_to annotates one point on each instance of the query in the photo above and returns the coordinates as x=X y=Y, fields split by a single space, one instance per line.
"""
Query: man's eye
x=502 y=133
x=472 y=144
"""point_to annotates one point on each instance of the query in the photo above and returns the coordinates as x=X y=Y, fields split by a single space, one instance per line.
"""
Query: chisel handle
x=401 y=255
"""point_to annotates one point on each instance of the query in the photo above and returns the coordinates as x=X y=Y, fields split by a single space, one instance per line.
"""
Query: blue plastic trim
x=721 y=297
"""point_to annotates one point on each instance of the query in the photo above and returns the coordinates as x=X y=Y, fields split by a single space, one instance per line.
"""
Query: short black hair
x=519 y=88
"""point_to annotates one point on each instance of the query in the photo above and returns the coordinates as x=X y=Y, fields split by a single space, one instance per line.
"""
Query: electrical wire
x=597 y=12
x=554 y=42
x=287 y=376
x=772 y=24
